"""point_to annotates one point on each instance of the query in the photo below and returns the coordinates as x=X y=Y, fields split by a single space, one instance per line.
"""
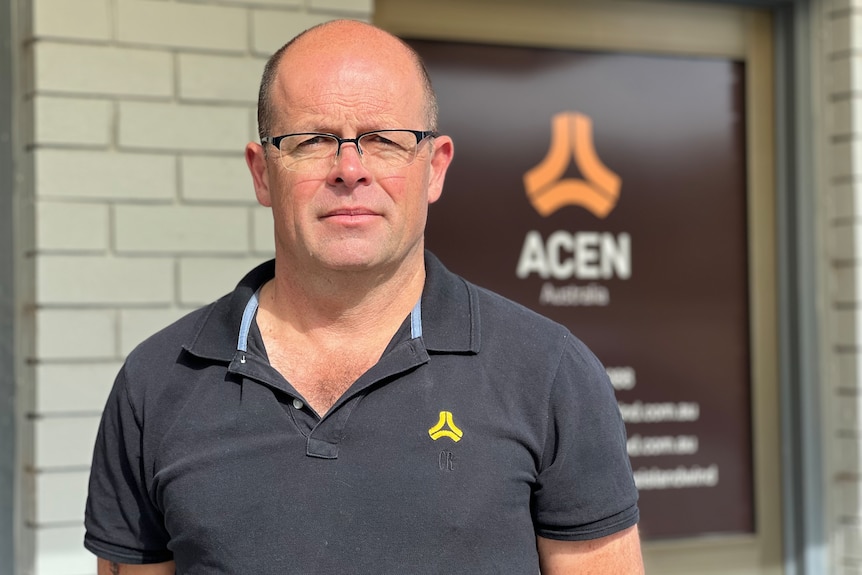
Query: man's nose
x=348 y=168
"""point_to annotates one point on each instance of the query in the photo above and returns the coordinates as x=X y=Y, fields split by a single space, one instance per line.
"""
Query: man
x=353 y=407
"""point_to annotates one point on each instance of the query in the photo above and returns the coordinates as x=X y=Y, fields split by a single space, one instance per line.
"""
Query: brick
x=844 y=120
x=851 y=540
x=72 y=121
x=216 y=179
x=846 y=328
x=842 y=4
x=363 y=7
x=271 y=29
x=855 y=25
x=840 y=39
x=64 y=442
x=845 y=75
x=273 y=3
x=59 y=552
x=203 y=280
x=219 y=78
x=847 y=370
x=850 y=505
x=844 y=243
x=845 y=285
x=253 y=132
x=102 y=70
x=848 y=452
x=104 y=281
x=263 y=238
x=81 y=19
x=182 y=25
x=845 y=158
x=844 y=201
x=63 y=226
x=73 y=387
x=61 y=496
x=75 y=334
x=838 y=75
x=104 y=175
x=136 y=325
x=182 y=127
x=198 y=229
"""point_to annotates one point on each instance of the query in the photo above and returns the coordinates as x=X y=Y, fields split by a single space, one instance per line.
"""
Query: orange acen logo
x=572 y=136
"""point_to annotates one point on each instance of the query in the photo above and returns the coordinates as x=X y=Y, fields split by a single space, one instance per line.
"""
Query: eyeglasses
x=379 y=150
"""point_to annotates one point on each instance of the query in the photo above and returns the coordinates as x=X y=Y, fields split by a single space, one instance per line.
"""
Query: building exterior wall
x=143 y=208
x=840 y=194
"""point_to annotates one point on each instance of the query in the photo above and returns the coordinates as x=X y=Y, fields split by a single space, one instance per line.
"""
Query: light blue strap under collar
x=247 y=318
x=416 y=320
x=253 y=302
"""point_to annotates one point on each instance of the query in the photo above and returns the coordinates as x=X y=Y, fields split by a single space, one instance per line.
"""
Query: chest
x=419 y=464
x=322 y=377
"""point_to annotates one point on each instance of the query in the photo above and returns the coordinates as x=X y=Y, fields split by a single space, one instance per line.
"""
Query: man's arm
x=110 y=568
x=617 y=554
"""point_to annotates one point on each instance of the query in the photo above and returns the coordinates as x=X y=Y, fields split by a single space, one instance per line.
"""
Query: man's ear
x=255 y=159
x=441 y=157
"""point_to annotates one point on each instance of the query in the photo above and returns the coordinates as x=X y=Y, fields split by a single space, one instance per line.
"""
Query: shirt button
x=298 y=404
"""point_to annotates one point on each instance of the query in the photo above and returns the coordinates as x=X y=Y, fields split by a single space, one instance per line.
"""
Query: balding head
x=337 y=39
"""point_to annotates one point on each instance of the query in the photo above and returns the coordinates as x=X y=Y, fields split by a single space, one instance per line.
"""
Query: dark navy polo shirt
x=482 y=426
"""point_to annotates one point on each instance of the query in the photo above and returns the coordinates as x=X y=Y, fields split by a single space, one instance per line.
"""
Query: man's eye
x=309 y=141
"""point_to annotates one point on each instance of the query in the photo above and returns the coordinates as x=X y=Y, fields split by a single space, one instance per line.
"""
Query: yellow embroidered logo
x=445 y=427
x=572 y=136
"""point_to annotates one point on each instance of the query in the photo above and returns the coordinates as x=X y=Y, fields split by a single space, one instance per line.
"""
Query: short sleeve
x=122 y=524
x=585 y=487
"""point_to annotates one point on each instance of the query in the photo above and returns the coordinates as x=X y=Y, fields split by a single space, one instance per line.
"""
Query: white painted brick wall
x=138 y=324
x=144 y=206
x=217 y=179
x=63 y=442
x=58 y=552
x=173 y=127
x=181 y=229
x=72 y=227
x=264 y=232
x=842 y=203
x=349 y=7
x=202 y=280
x=219 y=78
x=108 y=175
x=95 y=280
x=102 y=70
x=73 y=121
x=176 y=25
x=61 y=496
x=841 y=38
x=81 y=19
x=79 y=334
x=271 y=27
x=74 y=388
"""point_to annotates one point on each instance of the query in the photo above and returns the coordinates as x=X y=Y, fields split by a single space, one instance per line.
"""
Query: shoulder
x=506 y=321
x=165 y=345
x=161 y=369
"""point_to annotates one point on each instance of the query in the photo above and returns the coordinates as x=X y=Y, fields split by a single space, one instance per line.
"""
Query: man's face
x=349 y=217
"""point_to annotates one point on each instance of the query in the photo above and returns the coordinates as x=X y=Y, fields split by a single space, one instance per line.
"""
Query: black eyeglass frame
x=420 y=135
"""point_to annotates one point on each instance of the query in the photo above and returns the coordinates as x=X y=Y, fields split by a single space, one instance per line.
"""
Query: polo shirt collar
x=450 y=314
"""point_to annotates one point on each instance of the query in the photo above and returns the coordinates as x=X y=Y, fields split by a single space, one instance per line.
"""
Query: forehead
x=320 y=81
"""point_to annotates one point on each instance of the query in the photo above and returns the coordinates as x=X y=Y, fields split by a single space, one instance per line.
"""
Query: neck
x=343 y=302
